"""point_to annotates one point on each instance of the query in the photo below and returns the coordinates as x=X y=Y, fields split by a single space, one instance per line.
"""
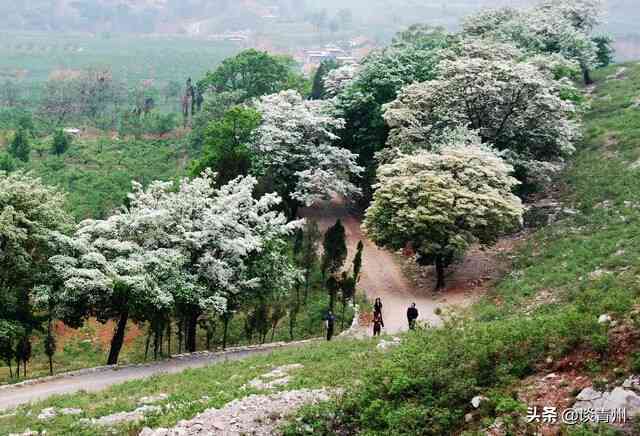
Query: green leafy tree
x=226 y=149
x=308 y=253
x=254 y=72
x=333 y=257
x=440 y=203
x=30 y=213
x=318 y=89
x=357 y=261
x=605 y=51
x=60 y=143
x=412 y=57
x=20 y=147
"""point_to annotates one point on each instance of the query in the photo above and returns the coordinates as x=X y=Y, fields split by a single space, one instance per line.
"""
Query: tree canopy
x=440 y=203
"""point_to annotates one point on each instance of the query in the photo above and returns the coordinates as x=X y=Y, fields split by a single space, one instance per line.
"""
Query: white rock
x=604 y=319
x=153 y=399
x=477 y=400
x=619 y=398
x=48 y=413
x=71 y=411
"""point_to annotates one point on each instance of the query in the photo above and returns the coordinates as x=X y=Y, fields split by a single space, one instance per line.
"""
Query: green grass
x=333 y=364
x=97 y=173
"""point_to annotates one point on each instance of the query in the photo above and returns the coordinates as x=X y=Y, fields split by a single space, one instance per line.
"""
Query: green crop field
x=32 y=57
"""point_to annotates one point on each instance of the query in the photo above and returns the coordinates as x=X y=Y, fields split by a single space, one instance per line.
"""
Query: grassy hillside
x=97 y=172
x=542 y=317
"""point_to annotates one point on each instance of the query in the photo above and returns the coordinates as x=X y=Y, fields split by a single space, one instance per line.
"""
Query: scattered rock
x=277 y=377
x=619 y=398
x=48 y=413
x=477 y=400
x=597 y=274
x=153 y=399
x=618 y=75
x=604 y=318
x=122 y=417
x=70 y=411
x=384 y=344
x=258 y=415
x=635 y=165
x=28 y=432
x=632 y=383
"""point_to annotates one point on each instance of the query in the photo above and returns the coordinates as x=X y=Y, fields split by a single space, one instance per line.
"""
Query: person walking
x=412 y=316
x=330 y=319
x=378 y=323
x=377 y=306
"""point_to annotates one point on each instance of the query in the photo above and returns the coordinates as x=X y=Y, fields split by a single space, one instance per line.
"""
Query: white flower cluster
x=294 y=145
x=187 y=246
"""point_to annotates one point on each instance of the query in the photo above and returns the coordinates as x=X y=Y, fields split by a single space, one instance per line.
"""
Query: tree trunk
x=180 y=334
x=332 y=299
x=307 y=277
x=344 y=303
x=18 y=368
x=169 y=331
x=118 y=338
x=587 y=76
x=24 y=368
x=439 y=263
x=225 y=320
x=192 y=325
x=146 y=345
x=10 y=369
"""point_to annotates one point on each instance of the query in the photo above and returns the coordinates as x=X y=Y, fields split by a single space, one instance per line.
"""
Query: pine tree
x=20 y=147
x=60 y=143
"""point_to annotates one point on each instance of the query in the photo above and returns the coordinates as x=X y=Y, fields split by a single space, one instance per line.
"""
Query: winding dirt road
x=382 y=276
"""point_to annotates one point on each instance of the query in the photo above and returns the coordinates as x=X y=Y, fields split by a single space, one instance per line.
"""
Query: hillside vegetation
x=566 y=276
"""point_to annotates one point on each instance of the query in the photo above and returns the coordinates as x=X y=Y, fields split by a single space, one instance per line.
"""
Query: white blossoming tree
x=515 y=106
x=337 y=80
x=30 y=212
x=440 y=203
x=293 y=149
x=108 y=271
x=554 y=26
x=222 y=232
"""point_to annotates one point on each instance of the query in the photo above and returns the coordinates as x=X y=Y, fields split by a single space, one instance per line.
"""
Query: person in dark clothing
x=412 y=316
x=378 y=323
x=377 y=306
x=331 y=320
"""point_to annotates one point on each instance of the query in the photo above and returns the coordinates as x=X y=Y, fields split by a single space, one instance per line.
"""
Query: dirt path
x=382 y=275
x=12 y=396
x=399 y=282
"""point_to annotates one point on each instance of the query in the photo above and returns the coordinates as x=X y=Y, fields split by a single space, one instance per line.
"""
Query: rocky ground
x=258 y=415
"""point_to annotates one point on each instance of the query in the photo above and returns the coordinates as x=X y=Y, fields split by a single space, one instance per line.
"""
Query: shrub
x=7 y=163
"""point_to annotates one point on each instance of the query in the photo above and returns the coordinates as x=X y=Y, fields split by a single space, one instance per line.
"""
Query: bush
x=7 y=163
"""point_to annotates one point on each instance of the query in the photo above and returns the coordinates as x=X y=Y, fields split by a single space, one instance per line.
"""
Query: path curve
x=381 y=276
x=15 y=395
